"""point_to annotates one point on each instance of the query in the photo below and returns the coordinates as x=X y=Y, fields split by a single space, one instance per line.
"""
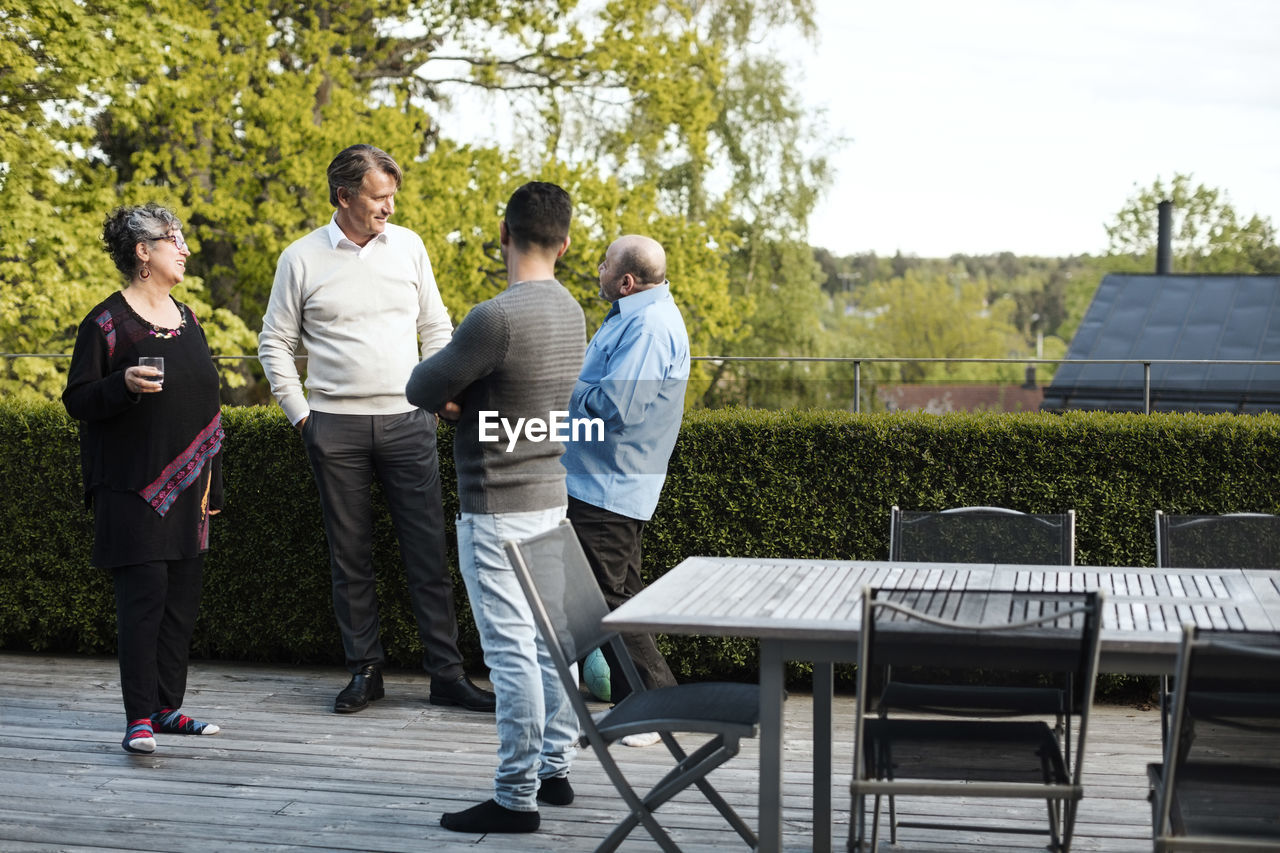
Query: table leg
x=823 y=689
x=771 y=721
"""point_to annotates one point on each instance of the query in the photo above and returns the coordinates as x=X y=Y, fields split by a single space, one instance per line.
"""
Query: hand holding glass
x=156 y=364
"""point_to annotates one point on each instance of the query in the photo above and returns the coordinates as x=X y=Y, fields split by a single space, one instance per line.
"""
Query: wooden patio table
x=810 y=610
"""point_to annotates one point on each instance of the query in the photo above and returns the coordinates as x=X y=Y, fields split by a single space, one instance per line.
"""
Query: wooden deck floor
x=287 y=774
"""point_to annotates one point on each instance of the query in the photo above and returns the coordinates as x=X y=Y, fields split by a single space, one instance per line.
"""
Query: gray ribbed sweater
x=514 y=356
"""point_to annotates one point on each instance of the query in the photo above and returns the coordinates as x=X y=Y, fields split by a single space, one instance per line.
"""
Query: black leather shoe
x=365 y=686
x=462 y=692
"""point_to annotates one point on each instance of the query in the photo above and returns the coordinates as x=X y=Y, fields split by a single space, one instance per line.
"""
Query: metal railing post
x=1146 y=387
x=857 y=387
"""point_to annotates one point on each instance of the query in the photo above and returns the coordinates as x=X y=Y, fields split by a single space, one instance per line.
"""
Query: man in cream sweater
x=359 y=295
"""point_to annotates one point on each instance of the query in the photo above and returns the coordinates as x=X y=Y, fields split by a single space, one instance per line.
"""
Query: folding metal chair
x=1238 y=540
x=977 y=534
x=981 y=633
x=1218 y=788
x=567 y=606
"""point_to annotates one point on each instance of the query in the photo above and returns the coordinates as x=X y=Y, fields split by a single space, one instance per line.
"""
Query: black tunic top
x=151 y=462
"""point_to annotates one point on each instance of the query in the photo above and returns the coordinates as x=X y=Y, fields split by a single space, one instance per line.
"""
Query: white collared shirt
x=339 y=239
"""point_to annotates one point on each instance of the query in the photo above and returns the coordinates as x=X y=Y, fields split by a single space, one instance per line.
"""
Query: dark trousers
x=156 y=607
x=612 y=545
x=347 y=452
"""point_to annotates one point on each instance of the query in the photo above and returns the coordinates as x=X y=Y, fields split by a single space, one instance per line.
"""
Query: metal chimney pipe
x=1164 y=238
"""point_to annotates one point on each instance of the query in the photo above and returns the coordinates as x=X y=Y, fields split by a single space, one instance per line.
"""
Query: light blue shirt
x=633 y=380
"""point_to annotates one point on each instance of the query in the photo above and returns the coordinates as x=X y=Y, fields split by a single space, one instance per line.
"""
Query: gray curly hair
x=126 y=227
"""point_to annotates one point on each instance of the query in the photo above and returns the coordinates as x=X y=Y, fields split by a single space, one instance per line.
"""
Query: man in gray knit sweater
x=516 y=356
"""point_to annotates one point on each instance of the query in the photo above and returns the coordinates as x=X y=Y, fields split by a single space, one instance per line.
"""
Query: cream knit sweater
x=363 y=315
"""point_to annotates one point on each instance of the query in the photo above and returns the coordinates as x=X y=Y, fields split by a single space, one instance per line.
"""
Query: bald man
x=633 y=379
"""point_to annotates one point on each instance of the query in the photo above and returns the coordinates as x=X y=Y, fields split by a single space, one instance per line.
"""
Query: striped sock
x=139 y=737
x=174 y=722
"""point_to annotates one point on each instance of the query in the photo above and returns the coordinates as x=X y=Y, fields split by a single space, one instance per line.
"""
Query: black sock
x=490 y=817
x=555 y=791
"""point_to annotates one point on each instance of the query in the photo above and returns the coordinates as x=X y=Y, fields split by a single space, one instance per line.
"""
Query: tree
x=775 y=286
x=933 y=317
x=686 y=103
x=230 y=112
x=63 y=64
x=1208 y=235
x=774 y=277
x=616 y=102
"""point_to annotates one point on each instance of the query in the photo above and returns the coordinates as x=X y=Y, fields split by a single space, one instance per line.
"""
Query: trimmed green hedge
x=266 y=586
x=748 y=483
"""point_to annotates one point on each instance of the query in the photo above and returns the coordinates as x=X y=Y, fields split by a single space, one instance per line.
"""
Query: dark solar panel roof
x=1175 y=317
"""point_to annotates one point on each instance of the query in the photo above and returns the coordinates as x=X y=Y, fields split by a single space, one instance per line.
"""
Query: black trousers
x=612 y=544
x=347 y=452
x=156 y=607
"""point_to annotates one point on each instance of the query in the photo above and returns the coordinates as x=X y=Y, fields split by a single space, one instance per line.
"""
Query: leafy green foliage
x=230 y=112
x=49 y=597
x=67 y=65
x=913 y=316
x=1208 y=235
x=774 y=284
x=820 y=484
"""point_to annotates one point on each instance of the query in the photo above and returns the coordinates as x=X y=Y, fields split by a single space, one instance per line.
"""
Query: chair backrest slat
x=1243 y=540
x=983 y=534
x=1045 y=633
x=565 y=588
x=1232 y=698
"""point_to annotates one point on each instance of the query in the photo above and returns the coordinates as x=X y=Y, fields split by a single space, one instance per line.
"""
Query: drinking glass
x=156 y=363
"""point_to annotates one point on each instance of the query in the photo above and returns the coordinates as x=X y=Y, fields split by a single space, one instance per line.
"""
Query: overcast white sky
x=981 y=126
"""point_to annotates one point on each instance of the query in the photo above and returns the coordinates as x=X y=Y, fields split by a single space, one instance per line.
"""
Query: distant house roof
x=1232 y=317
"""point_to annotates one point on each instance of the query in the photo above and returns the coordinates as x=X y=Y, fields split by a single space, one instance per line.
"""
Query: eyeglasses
x=176 y=239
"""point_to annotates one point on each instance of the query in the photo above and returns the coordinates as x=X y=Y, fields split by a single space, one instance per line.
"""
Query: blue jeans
x=537 y=727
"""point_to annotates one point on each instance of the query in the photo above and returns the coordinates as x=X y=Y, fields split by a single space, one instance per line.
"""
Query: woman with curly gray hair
x=150 y=452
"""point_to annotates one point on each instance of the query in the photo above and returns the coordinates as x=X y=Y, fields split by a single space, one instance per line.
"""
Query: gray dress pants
x=347 y=452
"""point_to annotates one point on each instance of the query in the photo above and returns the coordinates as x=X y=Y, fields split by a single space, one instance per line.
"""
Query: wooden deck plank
x=288 y=774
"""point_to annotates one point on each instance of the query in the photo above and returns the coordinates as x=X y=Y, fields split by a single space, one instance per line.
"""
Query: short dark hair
x=127 y=226
x=348 y=169
x=538 y=214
